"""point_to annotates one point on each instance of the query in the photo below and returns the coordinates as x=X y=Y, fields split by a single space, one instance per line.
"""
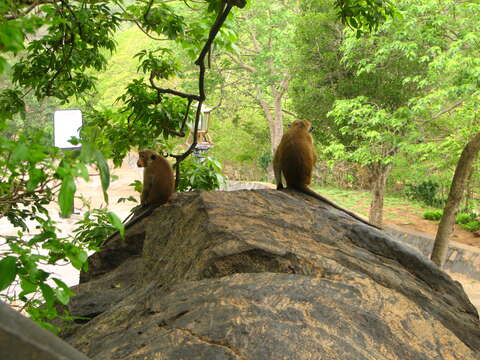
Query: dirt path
x=411 y=217
x=413 y=221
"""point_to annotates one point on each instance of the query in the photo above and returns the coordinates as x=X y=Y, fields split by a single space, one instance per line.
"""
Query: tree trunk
x=469 y=191
x=445 y=228
x=275 y=120
x=278 y=122
x=271 y=124
x=380 y=175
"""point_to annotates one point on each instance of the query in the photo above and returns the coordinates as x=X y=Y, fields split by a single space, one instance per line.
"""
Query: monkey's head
x=145 y=157
x=301 y=125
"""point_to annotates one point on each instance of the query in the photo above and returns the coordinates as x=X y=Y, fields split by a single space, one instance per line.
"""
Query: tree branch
x=29 y=9
x=140 y=26
x=221 y=17
x=171 y=91
x=240 y=63
x=448 y=109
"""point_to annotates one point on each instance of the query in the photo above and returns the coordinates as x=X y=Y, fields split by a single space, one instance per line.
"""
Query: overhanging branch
x=200 y=62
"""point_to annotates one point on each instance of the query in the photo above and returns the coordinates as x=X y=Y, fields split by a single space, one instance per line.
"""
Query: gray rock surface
x=266 y=274
x=22 y=339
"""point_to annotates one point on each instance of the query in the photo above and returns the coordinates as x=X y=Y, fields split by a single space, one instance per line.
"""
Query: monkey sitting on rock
x=294 y=160
x=158 y=179
x=158 y=185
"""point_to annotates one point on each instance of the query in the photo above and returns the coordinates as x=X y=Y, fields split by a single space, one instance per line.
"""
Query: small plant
x=465 y=218
x=471 y=226
x=433 y=214
x=426 y=192
x=200 y=173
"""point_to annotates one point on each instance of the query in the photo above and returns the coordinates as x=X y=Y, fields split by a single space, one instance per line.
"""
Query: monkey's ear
x=311 y=129
x=289 y=125
x=153 y=157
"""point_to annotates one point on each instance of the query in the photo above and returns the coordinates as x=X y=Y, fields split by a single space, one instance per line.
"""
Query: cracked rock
x=266 y=274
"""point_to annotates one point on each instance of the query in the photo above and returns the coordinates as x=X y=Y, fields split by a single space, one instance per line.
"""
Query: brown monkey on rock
x=158 y=186
x=158 y=179
x=294 y=160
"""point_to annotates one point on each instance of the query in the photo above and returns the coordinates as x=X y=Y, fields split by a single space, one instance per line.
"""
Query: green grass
x=359 y=202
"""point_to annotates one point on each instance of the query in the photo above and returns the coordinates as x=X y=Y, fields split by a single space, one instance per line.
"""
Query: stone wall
x=461 y=259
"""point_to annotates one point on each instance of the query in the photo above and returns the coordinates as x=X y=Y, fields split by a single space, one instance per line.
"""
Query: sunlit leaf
x=8 y=271
x=117 y=223
x=66 y=195
x=104 y=173
x=48 y=294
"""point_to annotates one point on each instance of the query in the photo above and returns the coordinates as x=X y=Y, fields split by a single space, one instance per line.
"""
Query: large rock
x=23 y=339
x=267 y=275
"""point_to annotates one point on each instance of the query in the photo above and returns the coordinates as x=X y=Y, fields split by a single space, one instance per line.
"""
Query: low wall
x=461 y=259
x=247 y=185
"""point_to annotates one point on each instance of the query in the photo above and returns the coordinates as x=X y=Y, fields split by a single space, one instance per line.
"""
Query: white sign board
x=66 y=124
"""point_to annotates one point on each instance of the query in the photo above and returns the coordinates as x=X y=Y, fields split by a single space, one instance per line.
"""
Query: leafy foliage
x=425 y=191
x=96 y=226
x=433 y=215
x=31 y=177
x=407 y=70
x=367 y=133
x=77 y=33
x=464 y=218
x=203 y=173
x=471 y=226
x=468 y=221
x=362 y=15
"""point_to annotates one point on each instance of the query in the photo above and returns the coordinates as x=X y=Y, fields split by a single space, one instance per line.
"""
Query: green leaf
x=117 y=223
x=48 y=294
x=20 y=153
x=27 y=288
x=66 y=195
x=8 y=271
x=62 y=285
x=83 y=171
x=48 y=326
x=3 y=64
x=35 y=177
x=63 y=293
x=77 y=257
x=87 y=152
x=104 y=173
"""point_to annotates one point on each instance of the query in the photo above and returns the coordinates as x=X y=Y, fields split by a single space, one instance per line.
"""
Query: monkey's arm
x=147 y=188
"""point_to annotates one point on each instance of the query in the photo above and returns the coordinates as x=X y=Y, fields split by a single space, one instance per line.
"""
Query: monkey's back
x=163 y=183
x=296 y=158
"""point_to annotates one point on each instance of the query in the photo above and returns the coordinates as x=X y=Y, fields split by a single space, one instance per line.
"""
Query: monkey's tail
x=306 y=190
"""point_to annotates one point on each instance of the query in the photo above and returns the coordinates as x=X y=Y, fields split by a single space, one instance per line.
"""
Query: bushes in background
x=467 y=221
